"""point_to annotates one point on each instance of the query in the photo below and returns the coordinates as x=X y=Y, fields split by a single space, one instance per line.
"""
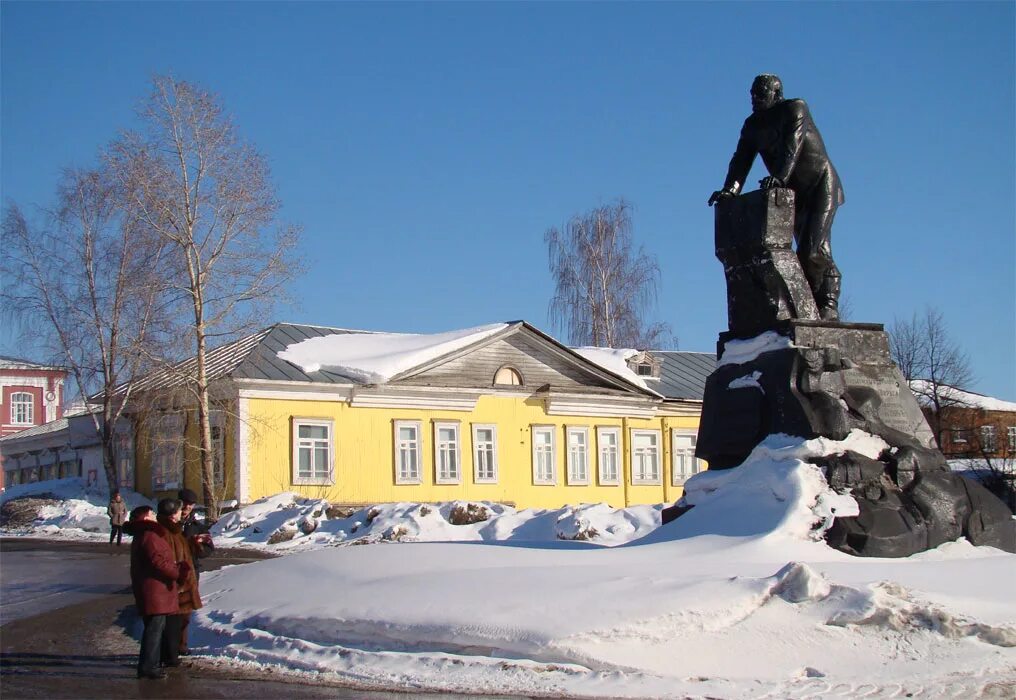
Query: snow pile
x=287 y=522
x=737 y=598
x=374 y=358
x=737 y=352
x=77 y=509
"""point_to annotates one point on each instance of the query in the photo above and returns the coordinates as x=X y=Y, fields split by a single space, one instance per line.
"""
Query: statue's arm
x=741 y=161
x=740 y=166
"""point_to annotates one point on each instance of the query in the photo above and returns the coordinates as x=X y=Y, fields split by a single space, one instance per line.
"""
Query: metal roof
x=255 y=356
x=263 y=361
x=682 y=374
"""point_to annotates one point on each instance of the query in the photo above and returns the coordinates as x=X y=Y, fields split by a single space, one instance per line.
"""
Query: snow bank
x=737 y=598
x=79 y=510
x=287 y=522
x=374 y=358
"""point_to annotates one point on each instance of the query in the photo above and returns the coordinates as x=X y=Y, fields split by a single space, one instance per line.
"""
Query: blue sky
x=425 y=148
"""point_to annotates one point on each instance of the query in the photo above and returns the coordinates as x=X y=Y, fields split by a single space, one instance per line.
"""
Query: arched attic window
x=508 y=376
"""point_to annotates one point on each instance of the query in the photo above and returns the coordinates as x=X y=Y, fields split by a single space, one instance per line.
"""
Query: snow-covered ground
x=739 y=598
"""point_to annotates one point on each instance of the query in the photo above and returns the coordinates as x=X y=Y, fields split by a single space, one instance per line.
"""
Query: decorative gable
x=528 y=359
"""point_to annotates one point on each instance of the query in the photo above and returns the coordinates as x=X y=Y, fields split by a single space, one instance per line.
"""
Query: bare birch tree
x=199 y=187
x=603 y=288
x=932 y=362
x=85 y=287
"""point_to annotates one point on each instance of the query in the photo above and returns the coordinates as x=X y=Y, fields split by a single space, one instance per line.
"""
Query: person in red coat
x=155 y=576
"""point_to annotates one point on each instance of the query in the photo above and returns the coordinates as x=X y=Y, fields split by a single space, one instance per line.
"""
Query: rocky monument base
x=783 y=371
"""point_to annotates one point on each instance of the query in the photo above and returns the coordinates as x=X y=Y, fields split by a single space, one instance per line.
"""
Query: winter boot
x=828 y=298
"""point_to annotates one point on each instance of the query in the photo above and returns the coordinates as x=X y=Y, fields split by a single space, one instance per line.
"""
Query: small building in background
x=31 y=394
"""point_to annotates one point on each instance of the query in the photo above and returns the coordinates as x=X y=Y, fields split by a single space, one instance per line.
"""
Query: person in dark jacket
x=195 y=532
x=117 y=512
x=155 y=576
x=188 y=599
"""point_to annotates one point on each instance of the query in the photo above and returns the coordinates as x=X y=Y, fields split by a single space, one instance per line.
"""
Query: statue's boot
x=828 y=298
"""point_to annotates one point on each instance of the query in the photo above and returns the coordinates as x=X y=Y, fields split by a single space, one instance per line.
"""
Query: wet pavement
x=67 y=612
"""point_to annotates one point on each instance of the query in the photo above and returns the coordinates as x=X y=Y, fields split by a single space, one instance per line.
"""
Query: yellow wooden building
x=498 y=413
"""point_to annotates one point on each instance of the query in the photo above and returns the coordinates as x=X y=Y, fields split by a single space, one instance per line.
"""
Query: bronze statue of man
x=783 y=132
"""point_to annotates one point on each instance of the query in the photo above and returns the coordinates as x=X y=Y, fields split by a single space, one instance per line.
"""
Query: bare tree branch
x=602 y=287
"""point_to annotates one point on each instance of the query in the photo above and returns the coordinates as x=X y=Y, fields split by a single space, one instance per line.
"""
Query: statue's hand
x=719 y=195
x=770 y=183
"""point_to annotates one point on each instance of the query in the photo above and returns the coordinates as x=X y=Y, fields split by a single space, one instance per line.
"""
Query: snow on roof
x=18 y=363
x=923 y=388
x=615 y=361
x=374 y=358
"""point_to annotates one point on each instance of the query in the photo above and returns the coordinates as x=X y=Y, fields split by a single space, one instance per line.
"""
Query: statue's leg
x=817 y=259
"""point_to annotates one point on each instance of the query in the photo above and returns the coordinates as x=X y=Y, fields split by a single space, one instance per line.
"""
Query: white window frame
x=167 y=451
x=539 y=478
x=651 y=480
x=416 y=446
x=442 y=475
x=22 y=411
x=1011 y=431
x=328 y=478
x=989 y=441
x=678 y=455
x=601 y=449
x=574 y=478
x=477 y=476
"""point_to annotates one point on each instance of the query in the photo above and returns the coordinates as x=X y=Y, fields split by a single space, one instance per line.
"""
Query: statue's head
x=766 y=91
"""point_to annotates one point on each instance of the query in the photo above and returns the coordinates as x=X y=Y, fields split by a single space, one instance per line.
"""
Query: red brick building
x=30 y=394
x=970 y=425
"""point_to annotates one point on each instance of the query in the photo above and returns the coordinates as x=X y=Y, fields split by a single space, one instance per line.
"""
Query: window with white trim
x=543 y=455
x=684 y=465
x=609 y=442
x=988 y=438
x=1012 y=437
x=507 y=376
x=645 y=456
x=167 y=452
x=447 y=454
x=408 y=452
x=485 y=454
x=22 y=408
x=578 y=455
x=313 y=452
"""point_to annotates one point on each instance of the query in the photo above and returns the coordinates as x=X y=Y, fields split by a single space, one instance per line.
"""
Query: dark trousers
x=115 y=531
x=151 y=643
x=184 y=624
x=170 y=652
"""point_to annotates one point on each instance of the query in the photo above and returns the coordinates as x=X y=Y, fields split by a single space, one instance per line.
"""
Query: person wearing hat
x=155 y=577
x=196 y=533
x=189 y=599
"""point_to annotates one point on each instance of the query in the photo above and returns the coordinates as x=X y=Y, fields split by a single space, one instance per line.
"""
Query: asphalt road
x=66 y=618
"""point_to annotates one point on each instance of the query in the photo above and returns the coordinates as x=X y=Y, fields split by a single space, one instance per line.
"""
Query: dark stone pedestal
x=765 y=283
x=823 y=379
